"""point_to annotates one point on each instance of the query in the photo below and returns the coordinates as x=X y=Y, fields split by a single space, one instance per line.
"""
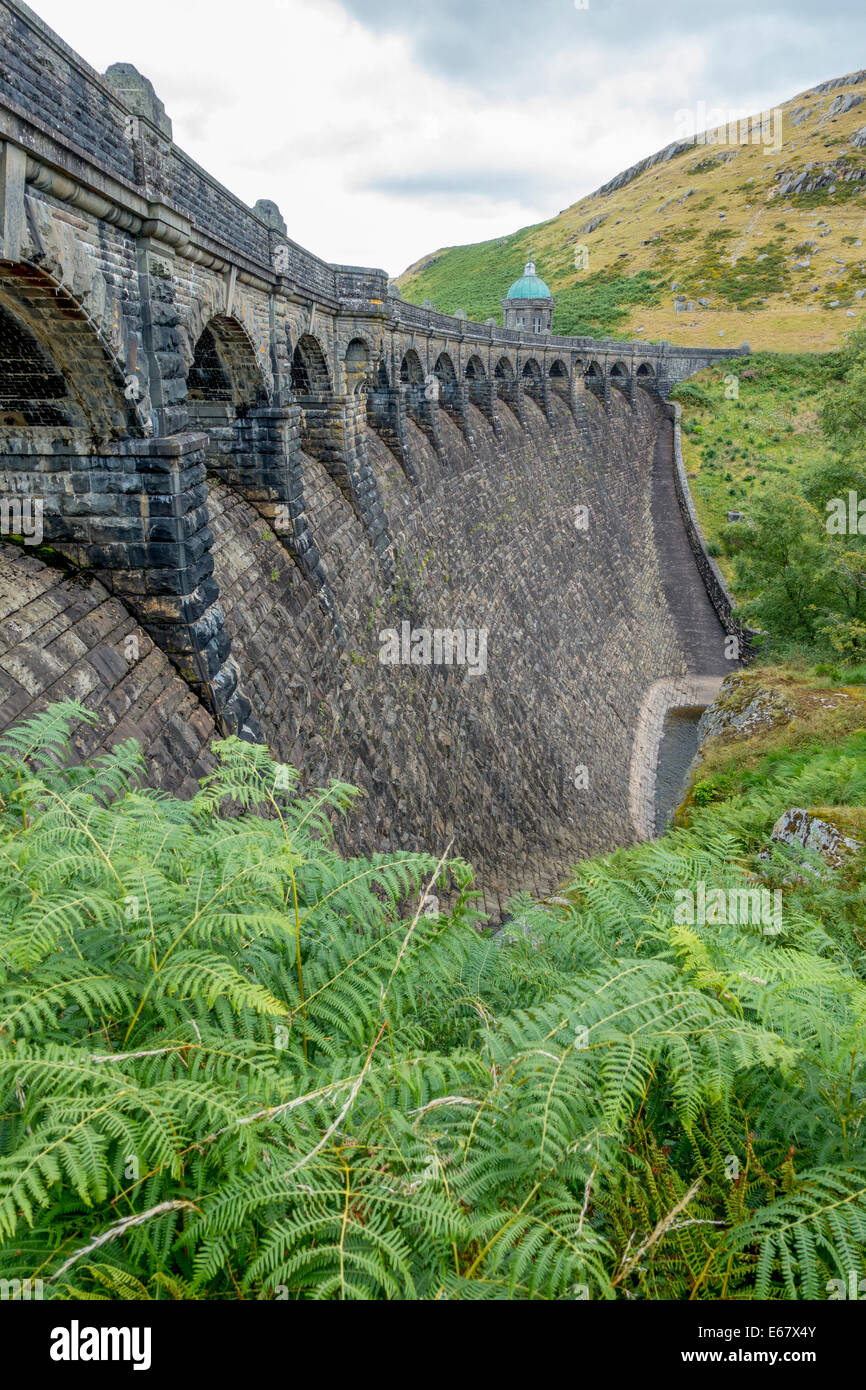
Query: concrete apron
x=674 y=692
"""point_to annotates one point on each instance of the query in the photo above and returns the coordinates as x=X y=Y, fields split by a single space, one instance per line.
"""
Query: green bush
x=235 y=1064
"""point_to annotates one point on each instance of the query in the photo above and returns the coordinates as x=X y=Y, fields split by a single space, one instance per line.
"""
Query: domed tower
x=529 y=303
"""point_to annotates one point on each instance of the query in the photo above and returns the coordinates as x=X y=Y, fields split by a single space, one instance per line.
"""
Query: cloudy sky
x=388 y=128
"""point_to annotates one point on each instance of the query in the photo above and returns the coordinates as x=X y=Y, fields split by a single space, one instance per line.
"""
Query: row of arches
x=225 y=373
x=65 y=381
x=412 y=372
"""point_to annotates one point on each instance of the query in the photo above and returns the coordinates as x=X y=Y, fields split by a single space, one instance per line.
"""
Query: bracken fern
x=237 y=1064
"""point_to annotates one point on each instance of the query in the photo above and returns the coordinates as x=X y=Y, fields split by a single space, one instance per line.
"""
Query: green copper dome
x=529 y=286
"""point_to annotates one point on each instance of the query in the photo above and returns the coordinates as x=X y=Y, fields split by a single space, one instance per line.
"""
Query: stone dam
x=249 y=467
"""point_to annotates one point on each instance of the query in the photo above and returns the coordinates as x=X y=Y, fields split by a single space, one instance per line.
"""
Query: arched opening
x=413 y=380
x=532 y=379
x=208 y=379
x=476 y=380
x=55 y=369
x=447 y=379
x=369 y=379
x=224 y=387
x=594 y=378
x=619 y=376
x=32 y=390
x=444 y=368
x=559 y=378
x=411 y=371
x=136 y=515
x=224 y=370
x=310 y=375
x=645 y=376
x=475 y=369
x=507 y=388
x=311 y=385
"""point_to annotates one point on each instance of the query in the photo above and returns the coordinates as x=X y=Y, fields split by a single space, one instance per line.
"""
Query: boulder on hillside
x=852 y=79
x=840 y=105
x=801 y=830
x=742 y=708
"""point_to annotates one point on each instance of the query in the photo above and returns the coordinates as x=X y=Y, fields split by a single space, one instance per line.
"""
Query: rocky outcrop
x=845 y=103
x=743 y=708
x=852 y=80
x=660 y=157
x=803 y=831
x=814 y=176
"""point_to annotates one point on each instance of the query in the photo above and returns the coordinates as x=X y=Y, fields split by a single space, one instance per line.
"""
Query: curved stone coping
x=720 y=595
x=673 y=692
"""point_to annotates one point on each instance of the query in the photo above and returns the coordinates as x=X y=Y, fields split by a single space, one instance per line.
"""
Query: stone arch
x=478 y=384
x=137 y=515
x=55 y=367
x=645 y=376
x=310 y=375
x=560 y=378
x=449 y=387
x=593 y=377
x=507 y=386
x=475 y=369
x=225 y=369
x=367 y=377
x=531 y=370
x=225 y=389
x=32 y=390
x=411 y=370
x=444 y=368
x=413 y=383
x=619 y=374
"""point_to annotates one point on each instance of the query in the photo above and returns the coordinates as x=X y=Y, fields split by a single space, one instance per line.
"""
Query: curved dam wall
x=563 y=543
x=248 y=466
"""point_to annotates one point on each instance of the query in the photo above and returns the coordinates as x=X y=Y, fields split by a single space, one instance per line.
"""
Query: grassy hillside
x=781 y=439
x=735 y=449
x=774 y=242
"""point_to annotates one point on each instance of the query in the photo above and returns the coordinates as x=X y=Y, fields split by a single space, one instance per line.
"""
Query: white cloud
x=373 y=158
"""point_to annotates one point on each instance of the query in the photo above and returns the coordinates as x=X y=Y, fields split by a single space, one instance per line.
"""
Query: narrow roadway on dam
x=700 y=630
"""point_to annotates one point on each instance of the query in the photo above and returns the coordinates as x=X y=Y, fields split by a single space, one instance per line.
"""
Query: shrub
x=236 y=1064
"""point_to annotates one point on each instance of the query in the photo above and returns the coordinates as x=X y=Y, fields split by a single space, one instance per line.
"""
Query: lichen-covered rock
x=742 y=708
x=799 y=829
